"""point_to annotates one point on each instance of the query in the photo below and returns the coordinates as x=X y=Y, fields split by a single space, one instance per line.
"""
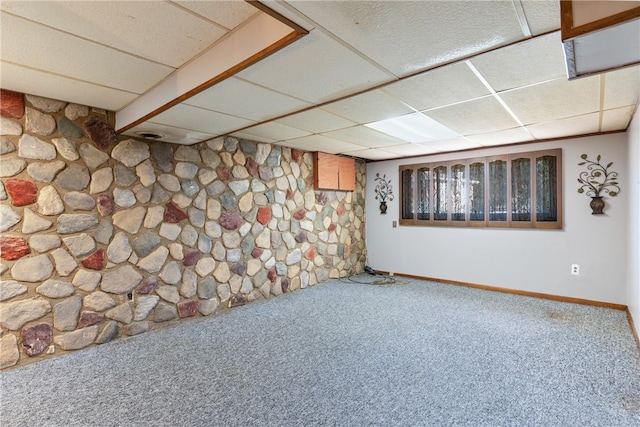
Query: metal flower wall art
x=384 y=191
x=596 y=180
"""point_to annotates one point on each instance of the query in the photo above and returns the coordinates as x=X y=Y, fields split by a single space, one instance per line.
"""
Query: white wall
x=633 y=277
x=529 y=260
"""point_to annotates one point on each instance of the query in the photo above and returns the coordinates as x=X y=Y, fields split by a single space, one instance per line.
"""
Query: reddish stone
x=252 y=166
x=237 y=300
x=310 y=254
x=100 y=132
x=239 y=268
x=36 y=338
x=321 y=198
x=265 y=173
x=11 y=104
x=308 y=181
x=331 y=227
x=191 y=258
x=285 y=285
x=105 y=204
x=340 y=210
x=231 y=220
x=271 y=274
x=289 y=195
x=264 y=215
x=88 y=318
x=95 y=261
x=223 y=173
x=187 y=308
x=296 y=155
x=147 y=285
x=256 y=252
x=299 y=214
x=12 y=247
x=301 y=237
x=173 y=214
x=21 y=191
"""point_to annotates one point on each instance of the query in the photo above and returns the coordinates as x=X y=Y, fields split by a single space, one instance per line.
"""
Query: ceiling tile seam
x=204 y=18
x=124 y=52
x=270 y=89
x=601 y=102
x=522 y=19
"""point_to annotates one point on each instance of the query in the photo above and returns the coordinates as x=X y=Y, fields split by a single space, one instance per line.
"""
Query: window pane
x=458 y=206
x=498 y=190
x=424 y=193
x=546 y=189
x=521 y=190
x=440 y=193
x=408 y=206
x=476 y=191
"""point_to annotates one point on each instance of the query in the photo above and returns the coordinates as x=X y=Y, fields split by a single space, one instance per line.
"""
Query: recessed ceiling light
x=414 y=127
x=147 y=134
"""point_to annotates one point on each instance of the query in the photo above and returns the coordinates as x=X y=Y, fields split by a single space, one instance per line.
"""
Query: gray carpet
x=346 y=354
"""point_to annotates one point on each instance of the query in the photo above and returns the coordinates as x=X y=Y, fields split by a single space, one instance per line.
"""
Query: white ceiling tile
x=408 y=150
x=163 y=33
x=276 y=131
x=617 y=119
x=228 y=14
x=542 y=15
x=553 y=100
x=364 y=136
x=42 y=48
x=232 y=95
x=316 y=69
x=34 y=82
x=373 y=154
x=197 y=119
x=410 y=36
x=171 y=134
x=622 y=87
x=251 y=137
x=523 y=64
x=579 y=125
x=454 y=144
x=321 y=143
x=508 y=136
x=480 y=115
x=443 y=86
x=368 y=107
x=316 y=121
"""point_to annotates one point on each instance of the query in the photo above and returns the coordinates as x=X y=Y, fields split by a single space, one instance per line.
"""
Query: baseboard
x=634 y=331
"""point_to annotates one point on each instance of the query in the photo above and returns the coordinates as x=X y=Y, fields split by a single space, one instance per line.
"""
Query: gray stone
x=11 y=167
x=163 y=156
x=219 y=251
x=3 y=193
x=210 y=158
x=224 y=292
x=92 y=156
x=30 y=147
x=49 y=201
x=186 y=170
x=66 y=148
x=164 y=312
x=98 y=301
x=181 y=200
x=103 y=232
x=9 y=353
x=213 y=229
x=32 y=269
x=294 y=257
x=205 y=266
x=137 y=328
x=281 y=269
x=206 y=176
x=231 y=239
x=67 y=128
x=169 y=182
x=119 y=249
x=207 y=288
x=189 y=236
x=45 y=172
x=170 y=231
x=146 y=173
x=214 y=209
x=8 y=218
x=108 y=333
x=154 y=261
x=10 y=289
x=189 y=284
x=9 y=127
x=248 y=147
x=65 y=264
x=77 y=339
x=262 y=152
x=124 y=198
x=78 y=201
x=229 y=201
x=45 y=104
x=146 y=243
x=6 y=146
x=204 y=243
x=65 y=313
x=75 y=223
x=33 y=223
x=129 y=220
x=158 y=196
x=196 y=217
x=14 y=315
x=169 y=293
x=216 y=144
x=53 y=288
x=124 y=176
x=154 y=216
x=239 y=187
x=215 y=188
x=121 y=280
x=143 y=194
x=234 y=255
x=144 y=305
x=75 y=111
x=208 y=307
x=171 y=273
x=200 y=201
x=190 y=187
x=86 y=280
x=80 y=245
x=101 y=180
x=187 y=154
x=74 y=177
x=38 y=122
x=44 y=242
x=274 y=157
x=131 y=152
x=121 y=313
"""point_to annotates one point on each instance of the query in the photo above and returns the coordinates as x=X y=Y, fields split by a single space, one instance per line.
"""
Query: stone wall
x=105 y=236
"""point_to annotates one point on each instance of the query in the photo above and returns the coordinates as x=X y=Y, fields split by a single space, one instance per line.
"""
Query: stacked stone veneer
x=104 y=236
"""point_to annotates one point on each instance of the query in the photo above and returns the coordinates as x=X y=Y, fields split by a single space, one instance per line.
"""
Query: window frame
x=509 y=222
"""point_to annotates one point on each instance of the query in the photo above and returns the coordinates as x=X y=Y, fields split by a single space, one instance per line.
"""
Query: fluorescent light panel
x=414 y=127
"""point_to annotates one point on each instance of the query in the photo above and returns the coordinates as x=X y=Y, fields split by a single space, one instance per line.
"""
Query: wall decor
x=596 y=180
x=384 y=191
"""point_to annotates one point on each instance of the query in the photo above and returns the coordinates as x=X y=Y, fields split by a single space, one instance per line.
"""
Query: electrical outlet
x=394 y=224
x=575 y=269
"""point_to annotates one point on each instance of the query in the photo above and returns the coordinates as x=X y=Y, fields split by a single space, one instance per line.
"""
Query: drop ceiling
x=493 y=72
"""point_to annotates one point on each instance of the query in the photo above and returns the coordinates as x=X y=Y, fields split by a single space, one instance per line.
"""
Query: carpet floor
x=411 y=353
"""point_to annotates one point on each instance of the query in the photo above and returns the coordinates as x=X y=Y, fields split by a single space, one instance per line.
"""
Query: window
x=516 y=190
